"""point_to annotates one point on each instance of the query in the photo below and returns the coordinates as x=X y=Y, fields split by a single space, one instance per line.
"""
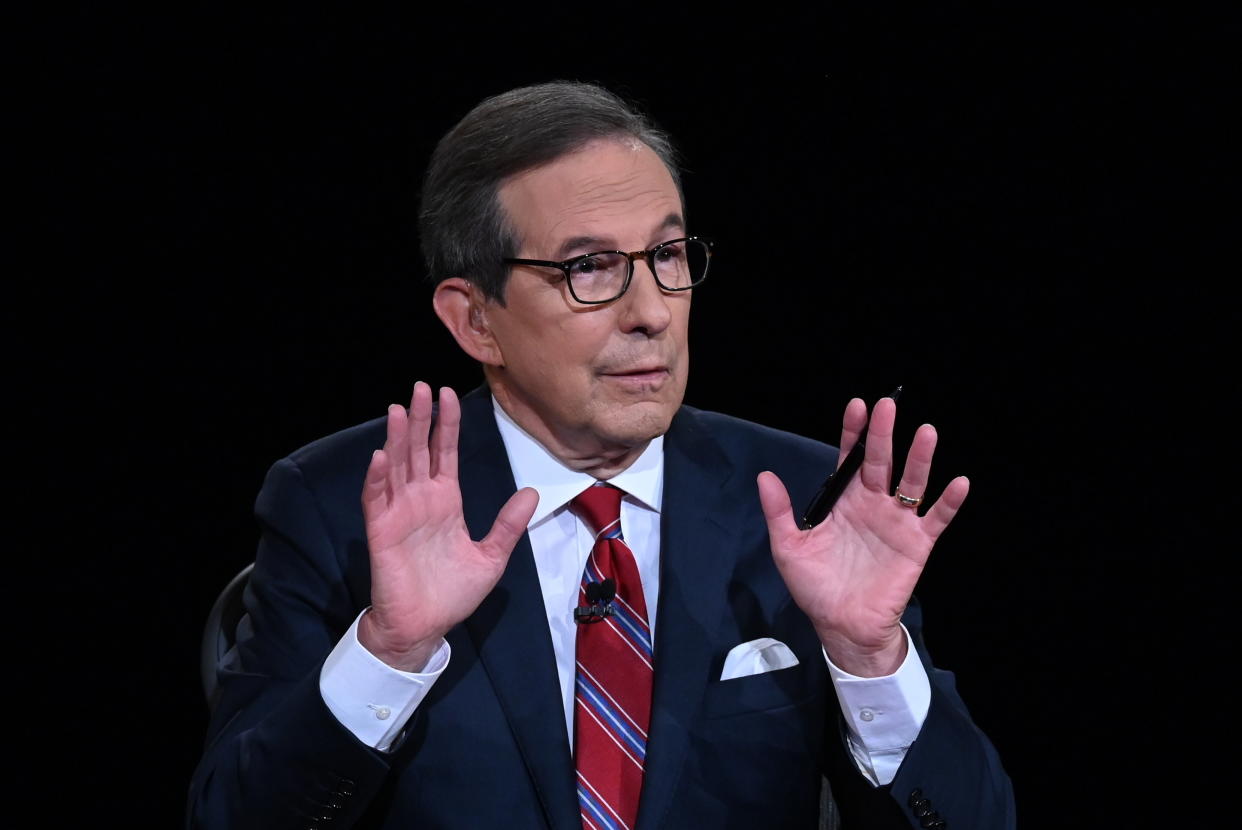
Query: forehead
x=614 y=192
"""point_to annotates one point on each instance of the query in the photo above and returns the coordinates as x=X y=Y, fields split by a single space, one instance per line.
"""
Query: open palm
x=854 y=573
x=427 y=574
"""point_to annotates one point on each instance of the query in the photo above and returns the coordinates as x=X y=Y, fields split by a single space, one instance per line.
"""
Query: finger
x=510 y=523
x=395 y=445
x=777 y=510
x=946 y=507
x=376 y=494
x=852 y=425
x=877 y=466
x=444 y=440
x=420 y=427
x=915 y=474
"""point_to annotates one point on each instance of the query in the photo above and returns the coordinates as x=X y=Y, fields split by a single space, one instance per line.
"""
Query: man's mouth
x=652 y=373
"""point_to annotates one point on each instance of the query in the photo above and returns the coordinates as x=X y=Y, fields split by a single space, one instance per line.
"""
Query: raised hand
x=427 y=574
x=854 y=573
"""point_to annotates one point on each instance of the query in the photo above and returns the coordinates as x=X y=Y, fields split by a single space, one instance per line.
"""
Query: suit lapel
x=696 y=528
x=510 y=628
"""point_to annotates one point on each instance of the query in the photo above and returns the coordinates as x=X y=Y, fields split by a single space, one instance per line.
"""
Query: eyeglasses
x=601 y=277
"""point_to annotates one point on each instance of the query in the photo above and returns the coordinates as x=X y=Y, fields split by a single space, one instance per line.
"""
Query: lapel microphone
x=599 y=597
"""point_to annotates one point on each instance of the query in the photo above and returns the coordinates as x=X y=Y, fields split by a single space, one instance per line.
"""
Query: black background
x=1010 y=213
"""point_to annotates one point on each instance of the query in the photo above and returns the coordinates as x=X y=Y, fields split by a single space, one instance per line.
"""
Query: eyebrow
x=592 y=243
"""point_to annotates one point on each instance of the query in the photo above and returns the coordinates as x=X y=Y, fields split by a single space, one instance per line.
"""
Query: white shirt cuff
x=370 y=698
x=883 y=715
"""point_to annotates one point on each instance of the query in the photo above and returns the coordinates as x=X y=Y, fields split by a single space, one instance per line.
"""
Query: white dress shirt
x=374 y=701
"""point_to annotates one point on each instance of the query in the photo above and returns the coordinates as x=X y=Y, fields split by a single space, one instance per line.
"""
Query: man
x=477 y=642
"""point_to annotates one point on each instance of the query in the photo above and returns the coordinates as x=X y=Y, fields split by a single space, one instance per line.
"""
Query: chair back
x=220 y=632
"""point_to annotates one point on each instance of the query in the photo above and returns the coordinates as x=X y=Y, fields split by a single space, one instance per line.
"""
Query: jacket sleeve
x=951 y=774
x=275 y=756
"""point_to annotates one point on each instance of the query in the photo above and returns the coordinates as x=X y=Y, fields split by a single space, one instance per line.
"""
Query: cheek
x=683 y=338
x=576 y=344
x=563 y=362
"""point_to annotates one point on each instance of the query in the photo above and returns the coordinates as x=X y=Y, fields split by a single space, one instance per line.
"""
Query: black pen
x=834 y=485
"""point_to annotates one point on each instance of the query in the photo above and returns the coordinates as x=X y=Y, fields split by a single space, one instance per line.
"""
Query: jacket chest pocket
x=758 y=692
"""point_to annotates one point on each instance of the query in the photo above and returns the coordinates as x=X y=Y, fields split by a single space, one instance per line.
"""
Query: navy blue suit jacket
x=488 y=747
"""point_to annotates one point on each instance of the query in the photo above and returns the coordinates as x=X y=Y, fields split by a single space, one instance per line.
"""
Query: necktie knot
x=600 y=508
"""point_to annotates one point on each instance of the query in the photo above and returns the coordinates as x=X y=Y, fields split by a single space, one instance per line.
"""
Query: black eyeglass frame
x=648 y=256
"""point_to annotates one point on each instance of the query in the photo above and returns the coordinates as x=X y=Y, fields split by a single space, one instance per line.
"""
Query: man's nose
x=646 y=303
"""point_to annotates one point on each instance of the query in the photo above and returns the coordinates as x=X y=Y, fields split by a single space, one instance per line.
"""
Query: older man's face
x=591 y=381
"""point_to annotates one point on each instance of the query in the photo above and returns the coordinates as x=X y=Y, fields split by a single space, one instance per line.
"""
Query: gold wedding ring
x=907 y=500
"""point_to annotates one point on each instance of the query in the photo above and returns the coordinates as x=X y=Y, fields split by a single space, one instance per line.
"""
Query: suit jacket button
x=915 y=795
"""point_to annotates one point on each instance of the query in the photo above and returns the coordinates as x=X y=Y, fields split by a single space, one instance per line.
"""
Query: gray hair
x=463 y=229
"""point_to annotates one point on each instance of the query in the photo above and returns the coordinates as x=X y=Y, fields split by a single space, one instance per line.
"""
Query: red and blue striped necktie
x=612 y=698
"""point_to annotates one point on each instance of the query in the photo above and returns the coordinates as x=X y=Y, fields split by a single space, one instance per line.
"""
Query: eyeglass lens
x=678 y=265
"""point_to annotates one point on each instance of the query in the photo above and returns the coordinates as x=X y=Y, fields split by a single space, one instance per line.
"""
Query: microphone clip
x=599 y=596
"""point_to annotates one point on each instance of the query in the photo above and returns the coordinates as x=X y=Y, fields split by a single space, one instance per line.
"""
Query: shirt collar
x=533 y=466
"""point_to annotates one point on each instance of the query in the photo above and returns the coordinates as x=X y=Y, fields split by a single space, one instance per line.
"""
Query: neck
x=585 y=453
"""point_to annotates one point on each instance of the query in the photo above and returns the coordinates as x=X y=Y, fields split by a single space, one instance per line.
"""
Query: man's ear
x=463 y=309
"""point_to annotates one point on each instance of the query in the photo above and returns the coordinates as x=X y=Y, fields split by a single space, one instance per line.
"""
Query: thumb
x=511 y=523
x=777 y=510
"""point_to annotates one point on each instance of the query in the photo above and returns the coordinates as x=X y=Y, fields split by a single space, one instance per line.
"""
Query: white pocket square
x=757 y=657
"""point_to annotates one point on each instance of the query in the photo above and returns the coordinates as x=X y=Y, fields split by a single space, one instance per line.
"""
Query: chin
x=637 y=424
